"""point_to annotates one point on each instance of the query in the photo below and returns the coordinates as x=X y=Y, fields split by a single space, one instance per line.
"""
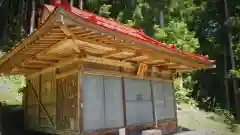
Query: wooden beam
x=53 y=46
x=32 y=66
x=66 y=30
x=38 y=55
x=94 y=43
x=88 y=58
x=50 y=57
x=68 y=33
x=64 y=74
x=137 y=54
x=110 y=53
x=44 y=42
x=74 y=45
x=74 y=37
x=64 y=62
x=40 y=61
x=106 y=61
x=178 y=67
x=120 y=74
x=166 y=64
x=18 y=69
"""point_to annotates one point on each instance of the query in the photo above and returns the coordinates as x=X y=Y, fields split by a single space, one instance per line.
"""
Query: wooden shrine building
x=90 y=75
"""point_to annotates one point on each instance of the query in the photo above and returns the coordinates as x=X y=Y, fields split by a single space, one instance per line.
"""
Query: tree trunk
x=80 y=4
x=180 y=82
x=32 y=24
x=71 y=2
x=232 y=59
x=226 y=78
x=161 y=18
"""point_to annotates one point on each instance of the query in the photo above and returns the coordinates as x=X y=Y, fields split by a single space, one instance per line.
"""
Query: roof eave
x=49 y=23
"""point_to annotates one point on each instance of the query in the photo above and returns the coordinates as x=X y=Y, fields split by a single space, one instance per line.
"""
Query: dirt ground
x=202 y=122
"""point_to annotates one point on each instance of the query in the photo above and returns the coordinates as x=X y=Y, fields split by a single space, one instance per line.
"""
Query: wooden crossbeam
x=166 y=64
x=40 y=61
x=50 y=57
x=87 y=58
x=119 y=74
x=96 y=43
x=108 y=54
x=61 y=75
x=177 y=67
x=137 y=54
x=63 y=62
x=106 y=61
x=32 y=66
x=18 y=69
x=66 y=30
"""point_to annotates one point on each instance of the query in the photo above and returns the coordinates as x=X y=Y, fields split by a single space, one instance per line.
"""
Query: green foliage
x=105 y=10
x=183 y=94
x=16 y=81
x=177 y=33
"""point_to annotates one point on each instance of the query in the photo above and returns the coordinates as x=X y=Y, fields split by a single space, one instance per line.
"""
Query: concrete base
x=152 y=132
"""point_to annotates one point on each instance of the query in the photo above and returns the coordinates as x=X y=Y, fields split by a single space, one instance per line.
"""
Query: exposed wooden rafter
x=40 y=61
x=108 y=54
x=137 y=54
x=47 y=57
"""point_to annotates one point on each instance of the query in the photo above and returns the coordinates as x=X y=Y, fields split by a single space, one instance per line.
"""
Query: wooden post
x=80 y=101
x=153 y=104
x=1 y=116
x=39 y=96
x=124 y=104
x=175 y=106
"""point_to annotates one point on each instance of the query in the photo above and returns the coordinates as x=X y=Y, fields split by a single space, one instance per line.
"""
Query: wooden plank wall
x=67 y=103
x=32 y=106
x=51 y=104
x=48 y=99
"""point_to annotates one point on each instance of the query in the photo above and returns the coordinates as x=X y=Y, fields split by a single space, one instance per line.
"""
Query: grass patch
x=9 y=87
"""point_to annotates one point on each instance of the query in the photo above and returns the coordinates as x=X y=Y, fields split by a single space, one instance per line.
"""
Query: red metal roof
x=124 y=29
